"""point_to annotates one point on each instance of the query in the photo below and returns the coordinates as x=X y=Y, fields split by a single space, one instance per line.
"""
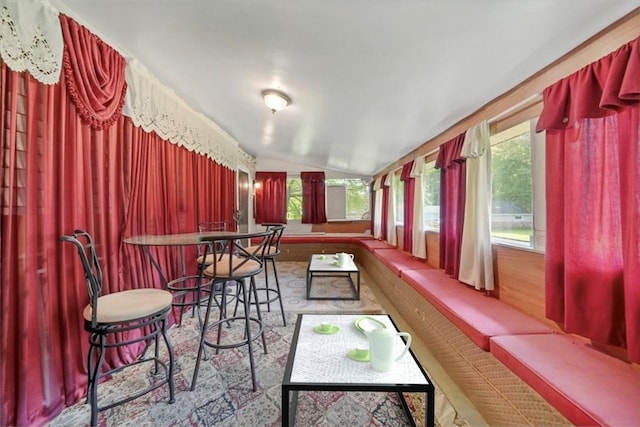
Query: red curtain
x=384 y=231
x=271 y=197
x=409 y=186
x=592 y=260
x=313 y=198
x=452 y=197
x=60 y=173
x=94 y=73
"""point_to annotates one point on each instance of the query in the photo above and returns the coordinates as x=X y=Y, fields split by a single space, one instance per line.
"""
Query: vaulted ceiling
x=370 y=80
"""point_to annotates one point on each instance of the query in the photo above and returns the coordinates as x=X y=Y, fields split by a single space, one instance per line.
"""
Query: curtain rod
x=515 y=107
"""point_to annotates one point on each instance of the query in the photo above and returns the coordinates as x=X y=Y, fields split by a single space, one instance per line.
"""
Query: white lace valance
x=154 y=107
x=31 y=38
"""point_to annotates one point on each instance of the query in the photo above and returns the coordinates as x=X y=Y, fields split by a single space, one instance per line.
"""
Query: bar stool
x=270 y=255
x=205 y=260
x=193 y=290
x=233 y=263
x=108 y=317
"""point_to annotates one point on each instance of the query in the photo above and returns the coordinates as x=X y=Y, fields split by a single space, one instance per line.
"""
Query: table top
x=322 y=358
x=325 y=263
x=183 y=239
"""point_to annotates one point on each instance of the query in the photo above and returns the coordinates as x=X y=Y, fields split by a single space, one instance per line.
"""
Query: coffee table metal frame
x=341 y=382
x=321 y=265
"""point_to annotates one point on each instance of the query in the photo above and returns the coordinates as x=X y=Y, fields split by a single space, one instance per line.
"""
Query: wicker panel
x=303 y=251
x=500 y=396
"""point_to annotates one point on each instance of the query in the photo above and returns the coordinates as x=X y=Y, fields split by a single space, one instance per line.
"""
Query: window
x=431 y=181
x=294 y=199
x=514 y=167
x=357 y=196
x=356 y=191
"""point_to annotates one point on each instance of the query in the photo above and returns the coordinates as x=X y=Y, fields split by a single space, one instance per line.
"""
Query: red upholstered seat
x=356 y=238
x=586 y=386
x=477 y=316
x=373 y=244
x=399 y=261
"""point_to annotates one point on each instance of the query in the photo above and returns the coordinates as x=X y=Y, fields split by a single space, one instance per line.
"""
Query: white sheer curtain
x=419 y=246
x=377 y=208
x=391 y=210
x=476 y=260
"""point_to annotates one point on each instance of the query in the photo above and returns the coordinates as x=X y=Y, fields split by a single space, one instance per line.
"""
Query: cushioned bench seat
x=477 y=316
x=326 y=238
x=372 y=244
x=398 y=261
x=585 y=385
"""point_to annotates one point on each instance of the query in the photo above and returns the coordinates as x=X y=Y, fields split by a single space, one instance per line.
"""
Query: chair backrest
x=209 y=226
x=89 y=259
x=221 y=247
x=277 y=229
x=212 y=226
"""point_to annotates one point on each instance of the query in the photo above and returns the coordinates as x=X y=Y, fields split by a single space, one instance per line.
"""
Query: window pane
x=511 y=206
x=358 y=199
x=431 y=211
x=294 y=198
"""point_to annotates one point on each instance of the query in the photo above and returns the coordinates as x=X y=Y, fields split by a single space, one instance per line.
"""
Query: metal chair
x=214 y=289
x=270 y=256
x=109 y=316
x=234 y=263
x=204 y=227
x=191 y=290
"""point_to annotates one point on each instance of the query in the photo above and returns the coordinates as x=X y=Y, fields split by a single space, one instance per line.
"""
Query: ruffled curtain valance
x=31 y=39
x=597 y=90
x=405 y=175
x=418 y=167
x=156 y=108
x=450 y=153
x=377 y=184
x=387 y=180
x=94 y=73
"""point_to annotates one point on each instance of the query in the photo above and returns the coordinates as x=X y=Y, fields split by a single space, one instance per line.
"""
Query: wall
x=342 y=227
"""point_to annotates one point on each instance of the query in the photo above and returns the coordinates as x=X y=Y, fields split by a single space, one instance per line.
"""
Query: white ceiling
x=370 y=80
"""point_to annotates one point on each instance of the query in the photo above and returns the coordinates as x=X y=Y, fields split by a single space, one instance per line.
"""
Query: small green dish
x=367 y=324
x=359 y=355
x=332 y=330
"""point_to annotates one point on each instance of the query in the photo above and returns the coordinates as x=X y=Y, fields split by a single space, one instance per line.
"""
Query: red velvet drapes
x=409 y=186
x=60 y=173
x=94 y=73
x=271 y=197
x=592 y=260
x=452 y=197
x=313 y=198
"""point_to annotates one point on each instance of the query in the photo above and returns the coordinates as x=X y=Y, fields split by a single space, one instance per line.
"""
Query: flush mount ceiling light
x=275 y=99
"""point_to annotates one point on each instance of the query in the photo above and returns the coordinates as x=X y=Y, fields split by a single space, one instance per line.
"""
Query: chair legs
x=249 y=336
x=275 y=274
x=268 y=291
x=98 y=343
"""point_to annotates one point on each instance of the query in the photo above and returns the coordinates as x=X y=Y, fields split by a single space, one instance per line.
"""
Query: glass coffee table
x=319 y=361
x=324 y=265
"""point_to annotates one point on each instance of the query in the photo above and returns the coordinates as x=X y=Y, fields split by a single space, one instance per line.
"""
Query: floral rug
x=223 y=395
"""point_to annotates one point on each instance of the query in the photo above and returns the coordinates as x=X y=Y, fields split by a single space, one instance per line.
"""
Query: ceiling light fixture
x=275 y=99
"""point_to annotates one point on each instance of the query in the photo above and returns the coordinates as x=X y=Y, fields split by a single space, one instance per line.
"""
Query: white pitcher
x=382 y=346
x=343 y=257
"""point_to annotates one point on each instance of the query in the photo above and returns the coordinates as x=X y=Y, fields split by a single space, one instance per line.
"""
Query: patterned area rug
x=223 y=395
x=293 y=285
